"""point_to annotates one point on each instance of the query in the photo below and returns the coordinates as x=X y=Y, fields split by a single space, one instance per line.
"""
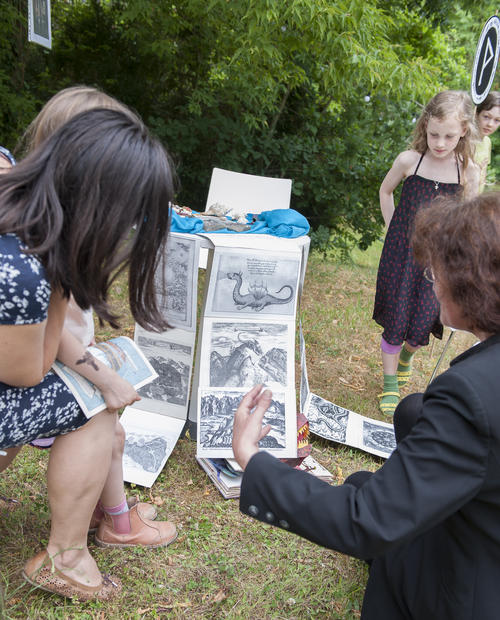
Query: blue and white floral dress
x=48 y=408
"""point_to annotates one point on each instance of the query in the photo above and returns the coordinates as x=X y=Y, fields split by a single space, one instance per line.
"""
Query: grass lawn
x=224 y=565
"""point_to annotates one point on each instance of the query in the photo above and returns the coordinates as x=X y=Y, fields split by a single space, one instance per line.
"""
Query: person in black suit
x=428 y=521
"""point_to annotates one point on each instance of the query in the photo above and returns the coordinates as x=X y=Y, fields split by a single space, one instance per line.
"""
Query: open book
x=121 y=354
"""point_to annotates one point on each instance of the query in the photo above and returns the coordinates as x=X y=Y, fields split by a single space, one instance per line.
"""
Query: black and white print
x=352 y=429
x=180 y=268
x=244 y=354
x=250 y=284
x=378 y=438
x=215 y=427
x=150 y=439
x=169 y=393
x=327 y=419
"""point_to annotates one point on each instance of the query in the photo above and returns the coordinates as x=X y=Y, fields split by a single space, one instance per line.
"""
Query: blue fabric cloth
x=286 y=223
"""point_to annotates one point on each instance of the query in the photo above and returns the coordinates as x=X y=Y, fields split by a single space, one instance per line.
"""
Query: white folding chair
x=248 y=192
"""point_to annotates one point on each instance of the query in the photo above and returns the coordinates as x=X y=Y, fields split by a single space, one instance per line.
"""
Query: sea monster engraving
x=258 y=297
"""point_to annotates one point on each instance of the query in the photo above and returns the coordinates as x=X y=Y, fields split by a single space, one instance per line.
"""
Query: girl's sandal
x=388 y=402
x=41 y=572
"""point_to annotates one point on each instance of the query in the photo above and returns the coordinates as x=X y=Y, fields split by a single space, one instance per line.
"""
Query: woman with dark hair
x=91 y=201
x=427 y=520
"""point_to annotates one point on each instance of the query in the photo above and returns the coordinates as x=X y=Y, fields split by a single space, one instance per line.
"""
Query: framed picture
x=39 y=26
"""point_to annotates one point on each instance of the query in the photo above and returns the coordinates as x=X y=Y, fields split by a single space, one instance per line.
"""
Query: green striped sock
x=389 y=398
x=404 y=366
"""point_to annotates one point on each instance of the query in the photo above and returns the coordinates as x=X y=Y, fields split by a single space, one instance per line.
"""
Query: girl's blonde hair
x=63 y=106
x=454 y=103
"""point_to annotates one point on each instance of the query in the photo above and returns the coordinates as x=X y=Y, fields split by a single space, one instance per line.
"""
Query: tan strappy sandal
x=41 y=572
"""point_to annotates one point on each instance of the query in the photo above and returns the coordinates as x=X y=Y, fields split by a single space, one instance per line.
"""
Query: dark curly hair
x=462 y=242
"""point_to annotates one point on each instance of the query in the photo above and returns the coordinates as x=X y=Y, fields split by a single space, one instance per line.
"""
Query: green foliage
x=264 y=87
x=20 y=63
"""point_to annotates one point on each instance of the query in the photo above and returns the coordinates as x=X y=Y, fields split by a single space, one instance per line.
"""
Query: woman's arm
x=117 y=392
x=28 y=351
x=439 y=467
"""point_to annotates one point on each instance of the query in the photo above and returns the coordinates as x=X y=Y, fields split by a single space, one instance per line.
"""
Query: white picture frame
x=39 y=23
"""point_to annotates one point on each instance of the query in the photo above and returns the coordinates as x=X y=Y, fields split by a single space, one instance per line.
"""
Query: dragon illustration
x=235 y=369
x=258 y=296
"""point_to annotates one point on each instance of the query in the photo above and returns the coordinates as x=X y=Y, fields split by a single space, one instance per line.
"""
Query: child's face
x=443 y=135
x=489 y=120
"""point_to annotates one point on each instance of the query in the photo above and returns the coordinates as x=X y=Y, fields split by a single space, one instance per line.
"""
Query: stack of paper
x=226 y=477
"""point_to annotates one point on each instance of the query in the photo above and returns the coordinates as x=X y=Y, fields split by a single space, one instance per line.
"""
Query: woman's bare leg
x=113 y=490
x=79 y=464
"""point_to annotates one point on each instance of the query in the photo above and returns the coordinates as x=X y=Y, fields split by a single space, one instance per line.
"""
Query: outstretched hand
x=247 y=427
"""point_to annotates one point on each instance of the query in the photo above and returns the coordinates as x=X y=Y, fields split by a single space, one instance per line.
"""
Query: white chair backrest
x=247 y=192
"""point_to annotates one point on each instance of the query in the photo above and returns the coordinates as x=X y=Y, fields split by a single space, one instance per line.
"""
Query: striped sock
x=404 y=366
x=389 y=398
x=120 y=517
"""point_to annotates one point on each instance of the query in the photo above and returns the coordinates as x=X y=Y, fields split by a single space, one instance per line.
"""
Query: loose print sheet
x=338 y=424
x=240 y=354
x=150 y=439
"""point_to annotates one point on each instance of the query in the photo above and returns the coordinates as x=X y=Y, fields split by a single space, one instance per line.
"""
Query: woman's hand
x=118 y=393
x=247 y=426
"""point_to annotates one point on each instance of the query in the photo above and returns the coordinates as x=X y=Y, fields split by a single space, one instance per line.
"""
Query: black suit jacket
x=429 y=517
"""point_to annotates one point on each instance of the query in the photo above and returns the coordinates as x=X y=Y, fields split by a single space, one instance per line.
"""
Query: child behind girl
x=439 y=162
x=63 y=106
x=58 y=110
x=488 y=121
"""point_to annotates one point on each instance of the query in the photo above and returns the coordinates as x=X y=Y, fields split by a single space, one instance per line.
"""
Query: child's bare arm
x=472 y=176
x=402 y=164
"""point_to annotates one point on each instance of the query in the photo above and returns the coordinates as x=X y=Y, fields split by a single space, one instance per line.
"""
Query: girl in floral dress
x=439 y=162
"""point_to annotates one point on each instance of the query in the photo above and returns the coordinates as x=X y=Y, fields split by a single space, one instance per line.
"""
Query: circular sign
x=485 y=62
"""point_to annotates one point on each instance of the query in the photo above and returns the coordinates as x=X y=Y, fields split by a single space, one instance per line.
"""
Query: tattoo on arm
x=88 y=359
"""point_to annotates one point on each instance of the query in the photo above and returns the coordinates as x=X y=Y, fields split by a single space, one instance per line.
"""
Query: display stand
x=300 y=244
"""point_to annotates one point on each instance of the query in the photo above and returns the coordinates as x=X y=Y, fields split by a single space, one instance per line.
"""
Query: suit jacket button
x=269 y=516
x=284 y=524
x=253 y=510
